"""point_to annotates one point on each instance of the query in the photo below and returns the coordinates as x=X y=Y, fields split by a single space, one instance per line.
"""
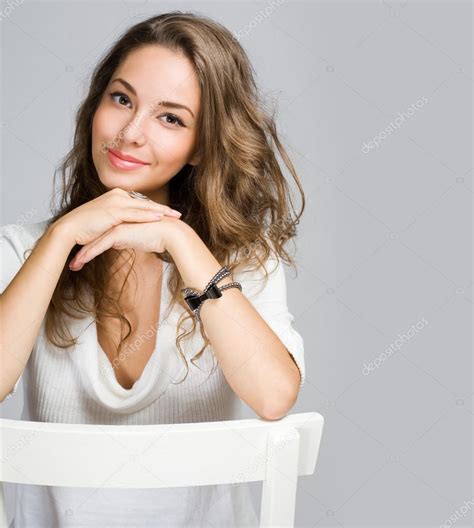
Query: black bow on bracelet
x=195 y=298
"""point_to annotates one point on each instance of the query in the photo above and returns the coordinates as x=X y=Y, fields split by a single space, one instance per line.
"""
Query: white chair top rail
x=155 y=456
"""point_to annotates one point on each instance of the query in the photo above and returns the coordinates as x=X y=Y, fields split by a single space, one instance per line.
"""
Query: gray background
x=384 y=250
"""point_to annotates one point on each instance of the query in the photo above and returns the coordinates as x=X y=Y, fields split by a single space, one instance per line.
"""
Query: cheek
x=101 y=134
x=102 y=124
x=105 y=130
x=97 y=131
x=171 y=147
x=182 y=145
x=182 y=153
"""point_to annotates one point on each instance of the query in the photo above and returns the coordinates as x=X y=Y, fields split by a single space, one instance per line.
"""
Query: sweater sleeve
x=269 y=297
x=12 y=247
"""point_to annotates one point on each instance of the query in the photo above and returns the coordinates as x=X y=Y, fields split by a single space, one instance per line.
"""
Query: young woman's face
x=130 y=121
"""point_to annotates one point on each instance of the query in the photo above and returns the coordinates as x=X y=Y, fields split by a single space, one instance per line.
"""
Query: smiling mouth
x=127 y=157
x=119 y=163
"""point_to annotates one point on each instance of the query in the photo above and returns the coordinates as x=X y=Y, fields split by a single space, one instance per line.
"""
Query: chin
x=111 y=179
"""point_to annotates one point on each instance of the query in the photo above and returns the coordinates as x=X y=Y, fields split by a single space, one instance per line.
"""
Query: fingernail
x=175 y=213
x=75 y=263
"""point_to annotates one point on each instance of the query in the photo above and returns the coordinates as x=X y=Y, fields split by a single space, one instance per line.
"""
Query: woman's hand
x=149 y=236
x=96 y=217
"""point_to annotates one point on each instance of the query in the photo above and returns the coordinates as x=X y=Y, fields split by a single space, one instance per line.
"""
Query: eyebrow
x=167 y=104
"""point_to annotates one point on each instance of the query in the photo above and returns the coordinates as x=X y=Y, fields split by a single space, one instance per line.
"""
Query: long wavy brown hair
x=236 y=198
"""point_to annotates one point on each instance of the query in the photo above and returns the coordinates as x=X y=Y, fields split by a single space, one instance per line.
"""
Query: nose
x=133 y=131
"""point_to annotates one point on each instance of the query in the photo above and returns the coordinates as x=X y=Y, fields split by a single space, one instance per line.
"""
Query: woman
x=156 y=207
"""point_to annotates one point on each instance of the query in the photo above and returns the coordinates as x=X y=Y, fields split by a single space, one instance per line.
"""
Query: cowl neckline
x=163 y=367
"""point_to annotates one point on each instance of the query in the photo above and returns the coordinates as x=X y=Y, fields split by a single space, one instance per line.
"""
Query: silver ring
x=136 y=194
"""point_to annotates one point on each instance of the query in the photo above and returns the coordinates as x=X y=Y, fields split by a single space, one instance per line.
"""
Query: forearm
x=23 y=305
x=254 y=361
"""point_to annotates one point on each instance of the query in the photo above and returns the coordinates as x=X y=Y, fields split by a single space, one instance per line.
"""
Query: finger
x=123 y=214
x=153 y=206
x=140 y=215
x=91 y=250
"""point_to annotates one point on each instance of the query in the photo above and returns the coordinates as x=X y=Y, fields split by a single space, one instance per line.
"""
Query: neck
x=160 y=195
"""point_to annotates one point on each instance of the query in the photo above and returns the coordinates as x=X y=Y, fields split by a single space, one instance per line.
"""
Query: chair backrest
x=147 y=456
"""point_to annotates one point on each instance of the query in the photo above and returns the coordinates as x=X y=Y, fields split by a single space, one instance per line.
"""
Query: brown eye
x=176 y=119
x=120 y=95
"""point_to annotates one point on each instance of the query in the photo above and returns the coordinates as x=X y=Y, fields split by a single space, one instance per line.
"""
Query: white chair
x=132 y=456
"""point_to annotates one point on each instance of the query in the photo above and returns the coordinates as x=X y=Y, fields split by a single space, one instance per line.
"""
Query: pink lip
x=118 y=162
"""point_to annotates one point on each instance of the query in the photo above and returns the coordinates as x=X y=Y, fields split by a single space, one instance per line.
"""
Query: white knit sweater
x=78 y=385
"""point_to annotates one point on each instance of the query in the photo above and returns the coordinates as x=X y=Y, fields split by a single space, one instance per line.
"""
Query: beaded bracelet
x=194 y=298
